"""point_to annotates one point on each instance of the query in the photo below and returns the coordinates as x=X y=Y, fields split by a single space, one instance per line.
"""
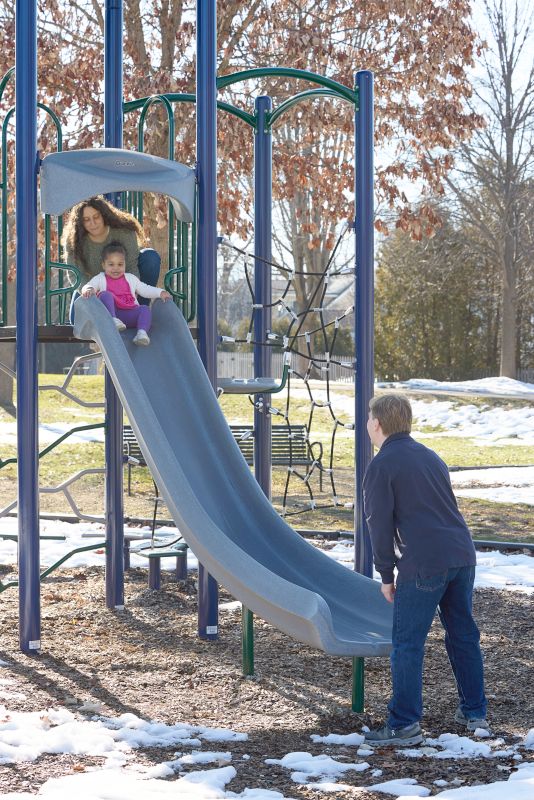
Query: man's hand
x=165 y=296
x=388 y=590
x=89 y=292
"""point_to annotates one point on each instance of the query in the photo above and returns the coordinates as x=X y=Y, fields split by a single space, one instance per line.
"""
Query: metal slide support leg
x=358 y=685
x=208 y=603
x=27 y=384
x=247 y=640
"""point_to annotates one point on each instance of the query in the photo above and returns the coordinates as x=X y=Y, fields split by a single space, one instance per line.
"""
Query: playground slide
x=215 y=501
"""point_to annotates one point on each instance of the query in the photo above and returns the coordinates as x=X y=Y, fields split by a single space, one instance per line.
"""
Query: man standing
x=417 y=530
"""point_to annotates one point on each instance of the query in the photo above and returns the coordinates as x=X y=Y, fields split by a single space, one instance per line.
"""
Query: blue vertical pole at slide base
x=364 y=336
x=206 y=105
x=114 y=490
x=364 y=308
x=262 y=323
x=27 y=407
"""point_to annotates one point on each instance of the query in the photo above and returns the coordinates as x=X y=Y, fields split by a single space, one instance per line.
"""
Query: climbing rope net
x=310 y=409
x=304 y=489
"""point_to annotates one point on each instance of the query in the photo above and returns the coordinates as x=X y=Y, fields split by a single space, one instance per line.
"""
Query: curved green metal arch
x=289 y=72
x=310 y=94
x=155 y=99
x=134 y=105
x=49 y=292
x=5 y=79
x=57 y=123
x=330 y=88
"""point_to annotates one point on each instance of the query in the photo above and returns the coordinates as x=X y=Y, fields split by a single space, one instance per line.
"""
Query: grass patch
x=54 y=406
x=480 y=401
x=461 y=452
x=512 y=522
x=487 y=520
x=62 y=462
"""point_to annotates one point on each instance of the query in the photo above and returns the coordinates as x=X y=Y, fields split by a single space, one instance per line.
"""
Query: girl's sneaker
x=119 y=324
x=141 y=338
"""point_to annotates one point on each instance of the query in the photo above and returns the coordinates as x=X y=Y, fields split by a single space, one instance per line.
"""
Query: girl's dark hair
x=74 y=232
x=113 y=247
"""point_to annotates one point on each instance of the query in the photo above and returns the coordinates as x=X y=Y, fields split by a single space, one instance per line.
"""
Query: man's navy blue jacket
x=411 y=511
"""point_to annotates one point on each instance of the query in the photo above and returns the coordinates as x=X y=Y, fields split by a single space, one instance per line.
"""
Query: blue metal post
x=364 y=308
x=27 y=406
x=262 y=323
x=262 y=287
x=114 y=489
x=206 y=104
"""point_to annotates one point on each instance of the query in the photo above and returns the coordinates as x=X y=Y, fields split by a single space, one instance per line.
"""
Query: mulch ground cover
x=148 y=660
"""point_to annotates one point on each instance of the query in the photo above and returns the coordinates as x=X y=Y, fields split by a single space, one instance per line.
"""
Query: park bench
x=131 y=449
x=290 y=448
x=289 y=443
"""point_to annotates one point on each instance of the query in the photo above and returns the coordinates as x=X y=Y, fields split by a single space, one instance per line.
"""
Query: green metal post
x=358 y=680
x=247 y=640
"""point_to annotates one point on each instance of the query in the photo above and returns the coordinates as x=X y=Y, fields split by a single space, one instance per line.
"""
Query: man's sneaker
x=400 y=737
x=470 y=724
x=119 y=324
x=142 y=338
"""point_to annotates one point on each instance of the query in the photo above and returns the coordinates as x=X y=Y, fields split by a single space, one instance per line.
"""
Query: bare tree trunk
x=508 y=365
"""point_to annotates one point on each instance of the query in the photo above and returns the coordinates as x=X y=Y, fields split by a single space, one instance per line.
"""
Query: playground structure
x=205 y=236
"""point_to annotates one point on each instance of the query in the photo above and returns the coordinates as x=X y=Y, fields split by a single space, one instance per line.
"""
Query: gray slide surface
x=215 y=501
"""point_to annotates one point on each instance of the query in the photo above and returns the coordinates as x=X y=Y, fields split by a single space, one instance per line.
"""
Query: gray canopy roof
x=69 y=177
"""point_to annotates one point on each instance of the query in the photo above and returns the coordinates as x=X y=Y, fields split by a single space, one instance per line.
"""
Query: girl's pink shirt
x=121 y=291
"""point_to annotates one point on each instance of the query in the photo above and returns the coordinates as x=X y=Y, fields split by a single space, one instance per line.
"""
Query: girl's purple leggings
x=139 y=317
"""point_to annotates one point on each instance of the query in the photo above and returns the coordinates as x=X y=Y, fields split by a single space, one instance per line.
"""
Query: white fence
x=241 y=365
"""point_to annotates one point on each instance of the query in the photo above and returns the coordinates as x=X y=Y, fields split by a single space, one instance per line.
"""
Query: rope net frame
x=321 y=486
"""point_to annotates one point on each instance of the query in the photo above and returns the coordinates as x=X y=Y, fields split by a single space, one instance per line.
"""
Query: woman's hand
x=88 y=292
x=165 y=296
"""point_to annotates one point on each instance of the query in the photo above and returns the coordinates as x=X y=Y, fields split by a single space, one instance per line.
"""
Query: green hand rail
x=56 y=442
x=56 y=564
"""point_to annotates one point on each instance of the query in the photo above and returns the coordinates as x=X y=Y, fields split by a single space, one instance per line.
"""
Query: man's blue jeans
x=415 y=604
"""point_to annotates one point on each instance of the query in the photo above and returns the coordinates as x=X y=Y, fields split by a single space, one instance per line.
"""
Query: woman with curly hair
x=95 y=223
